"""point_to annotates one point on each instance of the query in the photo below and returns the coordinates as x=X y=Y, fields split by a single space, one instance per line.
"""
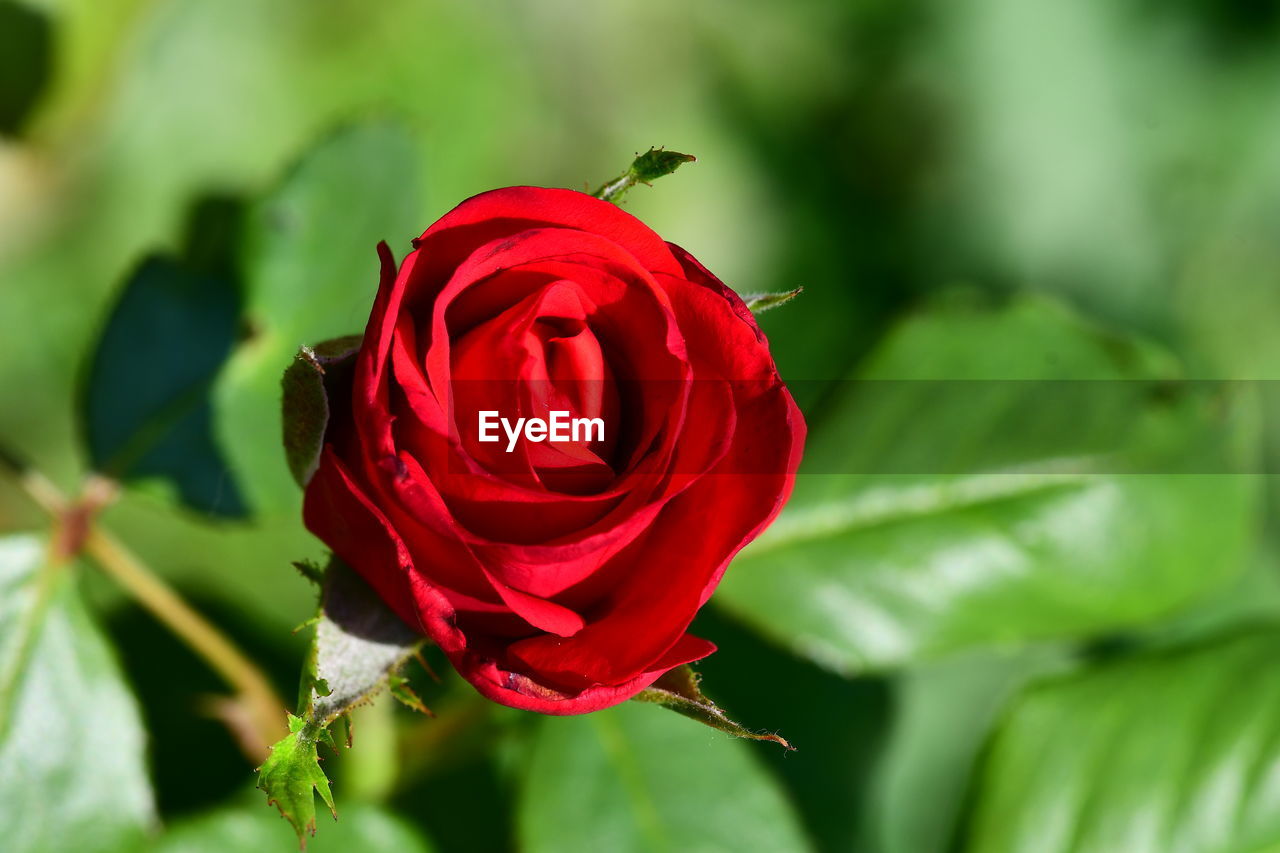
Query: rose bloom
x=560 y=577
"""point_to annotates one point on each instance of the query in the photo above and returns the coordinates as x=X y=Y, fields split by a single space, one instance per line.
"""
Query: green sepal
x=679 y=691
x=358 y=649
x=760 y=302
x=359 y=645
x=341 y=729
x=291 y=776
x=657 y=163
x=317 y=374
x=645 y=169
x=310 y=570
x=325 y=736
x=400 y=689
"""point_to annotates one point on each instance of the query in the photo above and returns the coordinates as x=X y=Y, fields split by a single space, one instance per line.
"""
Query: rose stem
x=78 y=531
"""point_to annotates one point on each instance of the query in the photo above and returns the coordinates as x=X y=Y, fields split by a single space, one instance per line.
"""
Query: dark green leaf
x=146 y=401
x=26 y=62
x=679 y=691
x=72 y=765
x=1176 y=750
x=633 y=778
x=311 y=272
x=994 y=513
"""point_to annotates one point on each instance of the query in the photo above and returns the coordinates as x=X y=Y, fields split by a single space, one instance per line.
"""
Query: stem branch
x=267 y=713
x=263 y=720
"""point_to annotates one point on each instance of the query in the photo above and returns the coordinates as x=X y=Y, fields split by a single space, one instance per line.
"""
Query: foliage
x=71 y=740
x=1025 y=595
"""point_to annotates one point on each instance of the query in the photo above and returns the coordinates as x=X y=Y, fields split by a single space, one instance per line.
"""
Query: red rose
x=559 y=576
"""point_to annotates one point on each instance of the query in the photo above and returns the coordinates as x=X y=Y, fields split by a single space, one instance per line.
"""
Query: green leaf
x=250 y=829
x=316 y=374
x=646 y=168
x=311 y=269
x=358 y=649
x=944 y=514
x=1168 y=751
x=841 y=725
x=71 y=740
x=291 y=777
x=146 y=399
x=679 y=691
x=761 y=302
x=944 y=713
x=632 y=778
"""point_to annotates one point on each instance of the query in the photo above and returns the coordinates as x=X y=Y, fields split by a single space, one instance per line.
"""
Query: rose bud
x=559 y=570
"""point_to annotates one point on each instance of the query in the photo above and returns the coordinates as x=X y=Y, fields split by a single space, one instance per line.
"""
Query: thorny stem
x=614 y=190
x=267 y=714
x=262 y=721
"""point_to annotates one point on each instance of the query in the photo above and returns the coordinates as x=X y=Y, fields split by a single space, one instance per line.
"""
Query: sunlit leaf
x=943 y=714
x=942 y=513
x=634 y=778
x=1175 y=750
x=72 y=765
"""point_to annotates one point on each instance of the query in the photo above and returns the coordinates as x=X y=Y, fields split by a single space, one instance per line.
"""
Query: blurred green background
x=988 y=189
